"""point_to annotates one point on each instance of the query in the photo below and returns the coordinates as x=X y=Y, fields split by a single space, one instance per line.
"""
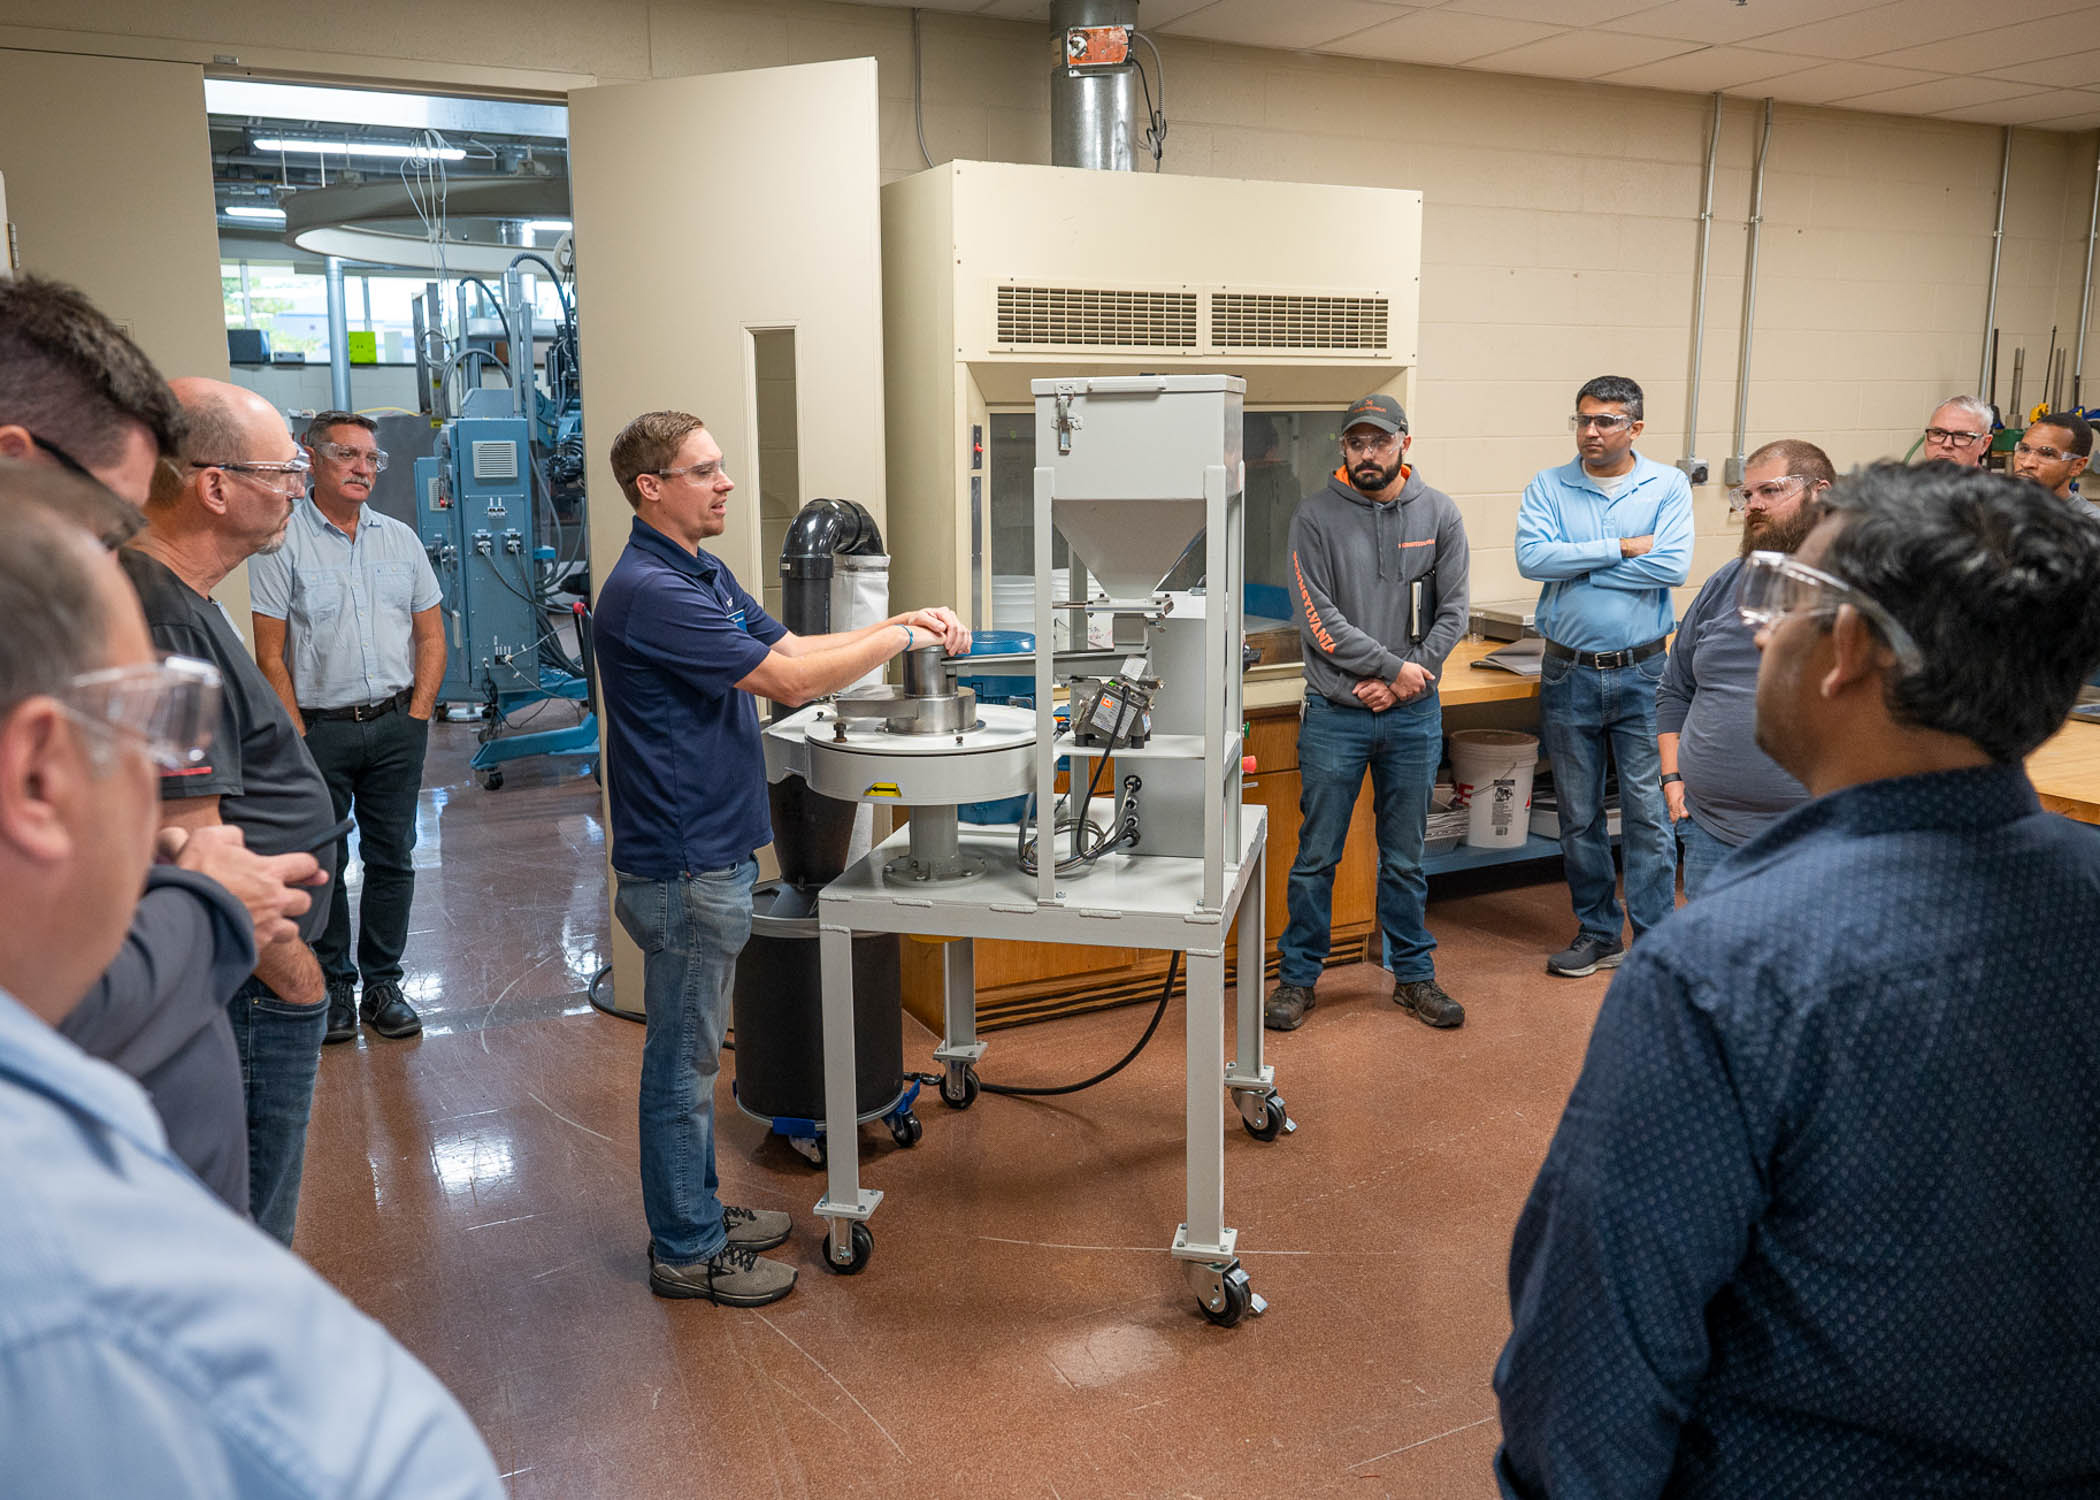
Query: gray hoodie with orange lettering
x=1374 y=585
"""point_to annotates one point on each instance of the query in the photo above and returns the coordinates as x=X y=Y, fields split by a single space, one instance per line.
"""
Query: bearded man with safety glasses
x=1720 y=788
x=1818 y=1219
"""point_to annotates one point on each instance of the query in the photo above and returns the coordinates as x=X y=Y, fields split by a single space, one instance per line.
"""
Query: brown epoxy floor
x=1020 y=1329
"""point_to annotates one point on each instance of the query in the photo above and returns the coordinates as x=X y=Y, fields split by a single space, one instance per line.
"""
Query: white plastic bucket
x=1491 y=772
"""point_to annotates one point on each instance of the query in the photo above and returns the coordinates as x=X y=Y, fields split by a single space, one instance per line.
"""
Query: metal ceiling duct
x=1093 y=111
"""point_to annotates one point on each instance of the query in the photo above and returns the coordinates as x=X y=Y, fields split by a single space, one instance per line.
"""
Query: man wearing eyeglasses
x=1609 y=535
x=78 y=397
x=682 y=652
x=1378 y=564
x=350 y=631
x=1819 y=1216
x=152 y=1344
x=231 y=498
x=2053 y=452
x=1721 y=789
x=1959 y=432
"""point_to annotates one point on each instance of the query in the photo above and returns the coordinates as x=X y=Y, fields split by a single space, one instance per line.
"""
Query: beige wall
x=108 y=172
x=1559 y=228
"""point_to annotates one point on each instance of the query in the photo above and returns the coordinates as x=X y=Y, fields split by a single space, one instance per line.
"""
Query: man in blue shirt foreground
x=1720 y=788
x=151 y=1343
x=1609 y=535
x=681 y=651
x=1820 y=1216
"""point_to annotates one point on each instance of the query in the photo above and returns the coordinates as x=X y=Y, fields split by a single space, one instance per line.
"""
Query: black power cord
x=1051 y=1091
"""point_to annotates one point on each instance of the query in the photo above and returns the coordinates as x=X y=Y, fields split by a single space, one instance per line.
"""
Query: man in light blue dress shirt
x=151 y=1343
x=349 y=630
x=1609 y=535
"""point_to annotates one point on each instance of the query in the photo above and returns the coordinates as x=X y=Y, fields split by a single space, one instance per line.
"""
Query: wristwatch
x=1669 y=777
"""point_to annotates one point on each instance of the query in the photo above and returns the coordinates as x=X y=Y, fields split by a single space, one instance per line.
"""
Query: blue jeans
x=690 y=931
x=1701 y=852
x=1400 y=748
x=280 y=1049
x=1587 y=713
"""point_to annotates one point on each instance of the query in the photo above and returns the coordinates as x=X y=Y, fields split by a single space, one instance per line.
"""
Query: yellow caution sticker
x=882 y=789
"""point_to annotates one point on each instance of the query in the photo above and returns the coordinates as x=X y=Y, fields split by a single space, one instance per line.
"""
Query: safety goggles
x=345 y=453
x=287 y=475
x=171 y=706
x=1774 y=585
x=1771 y=492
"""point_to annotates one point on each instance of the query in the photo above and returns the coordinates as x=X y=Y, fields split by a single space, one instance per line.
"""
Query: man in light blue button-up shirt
x=151 y=1343
x=1609 y=535
x=350 y=631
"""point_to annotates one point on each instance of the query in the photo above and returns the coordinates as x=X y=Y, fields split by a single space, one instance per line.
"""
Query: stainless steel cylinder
x=1093 y=117
x=922 y=671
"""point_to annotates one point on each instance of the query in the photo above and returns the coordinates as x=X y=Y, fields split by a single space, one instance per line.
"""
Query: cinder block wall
x=1560 y=222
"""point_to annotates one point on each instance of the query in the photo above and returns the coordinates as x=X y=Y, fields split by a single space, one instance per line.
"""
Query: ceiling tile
x=1709 y=21
x=1153 y=14
x=1301 y=25
x=1441 y=38
x=1016 y=10
x=1991 y=47
x=1903 y=24
x=2068 y=70
x=1821 y=83
x=1936 y=94
x=1582 y=54
x=1707 y=69
x=2050 y=104
x=2086 y=121
x=1552 y=12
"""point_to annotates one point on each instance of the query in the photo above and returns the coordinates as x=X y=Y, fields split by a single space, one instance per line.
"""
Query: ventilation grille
x=495 y=458
x=1095 y=318
x=1283 y=320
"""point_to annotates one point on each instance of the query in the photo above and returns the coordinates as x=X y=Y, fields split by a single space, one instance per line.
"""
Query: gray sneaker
x=737 y=1276
x=1426 y=1001
x=1586 y=955
x=1285 y=1010
x=757 y=1228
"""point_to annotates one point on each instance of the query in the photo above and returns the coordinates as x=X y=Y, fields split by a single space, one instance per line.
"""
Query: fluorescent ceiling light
x=244 y=211
x=360 y=148
x=549 y=226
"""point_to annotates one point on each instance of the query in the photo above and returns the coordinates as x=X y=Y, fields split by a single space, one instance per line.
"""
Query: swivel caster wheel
x=861 y=1245
x=491 y=779
x=959 y=1090
x=1265 y=1116
x=1224 y=1295
x=906 y=1130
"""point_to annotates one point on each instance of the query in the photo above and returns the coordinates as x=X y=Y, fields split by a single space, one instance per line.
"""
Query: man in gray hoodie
x=1378 y=587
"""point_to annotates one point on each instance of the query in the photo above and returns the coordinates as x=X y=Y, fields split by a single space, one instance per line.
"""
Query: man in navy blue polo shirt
x=681 y=650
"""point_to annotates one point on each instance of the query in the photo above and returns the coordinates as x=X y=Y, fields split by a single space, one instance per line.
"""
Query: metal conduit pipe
x=1694 y=466
x=338 y=338
x=1990 y=310
x=1732 y=474
x=2085 y=297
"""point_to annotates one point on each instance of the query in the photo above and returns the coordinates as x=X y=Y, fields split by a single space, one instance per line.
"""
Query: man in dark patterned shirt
x=1821 y=1217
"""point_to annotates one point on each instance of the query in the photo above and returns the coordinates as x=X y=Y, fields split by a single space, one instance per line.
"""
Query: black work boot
x=342 y=1011
x=1426 y=1001
x=388 y=1012
x=1285 y=1010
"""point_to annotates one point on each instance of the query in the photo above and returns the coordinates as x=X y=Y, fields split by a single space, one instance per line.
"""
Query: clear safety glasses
x=171 y=706
x=349 y=454
x=1771 y=492
x=1774 y=585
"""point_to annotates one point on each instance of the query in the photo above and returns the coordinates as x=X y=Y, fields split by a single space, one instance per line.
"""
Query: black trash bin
x=779 y=1010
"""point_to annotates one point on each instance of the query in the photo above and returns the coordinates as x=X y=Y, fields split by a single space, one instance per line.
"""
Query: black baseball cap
x=1379 y=411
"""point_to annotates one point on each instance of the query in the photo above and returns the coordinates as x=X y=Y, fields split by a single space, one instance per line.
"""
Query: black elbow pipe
x=821 y=530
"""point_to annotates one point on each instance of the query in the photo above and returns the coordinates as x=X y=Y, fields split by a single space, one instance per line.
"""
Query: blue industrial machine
x=488 y=501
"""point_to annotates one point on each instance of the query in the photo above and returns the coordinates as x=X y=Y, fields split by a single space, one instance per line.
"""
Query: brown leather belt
x=1605 y=661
